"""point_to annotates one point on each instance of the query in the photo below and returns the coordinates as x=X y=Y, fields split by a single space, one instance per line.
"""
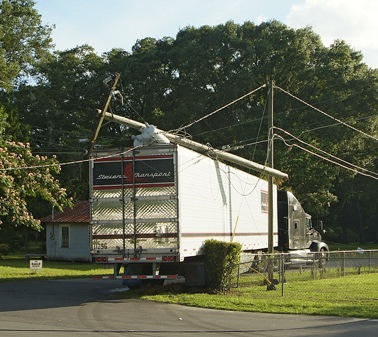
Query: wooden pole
x=270 y=181
x=201 y=147
x=115 y=78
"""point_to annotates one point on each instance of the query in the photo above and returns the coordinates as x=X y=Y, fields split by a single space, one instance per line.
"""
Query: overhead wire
x=261 y=121
x=283 y=112
x=240 y=146
x=325 y=158
x=229 y=104
x=122 y=93
x=326 y=153
x=328 y=115
x=219 y=109
x=67 y=163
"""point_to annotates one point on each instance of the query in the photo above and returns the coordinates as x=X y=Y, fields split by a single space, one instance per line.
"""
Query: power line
x=354 y=170
x=240 y=146
x=261 y=121
x=229 y=104
x=217 y=110
x=66 y=163
x=328 y=115
x=322 y=151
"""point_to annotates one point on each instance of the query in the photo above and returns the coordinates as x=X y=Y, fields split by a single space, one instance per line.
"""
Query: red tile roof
x=79 y=213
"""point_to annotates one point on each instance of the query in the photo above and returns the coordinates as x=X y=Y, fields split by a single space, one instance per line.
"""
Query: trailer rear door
x=134 y=202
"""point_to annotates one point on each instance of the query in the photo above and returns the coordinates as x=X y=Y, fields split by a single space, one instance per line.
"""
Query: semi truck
x=153 y=207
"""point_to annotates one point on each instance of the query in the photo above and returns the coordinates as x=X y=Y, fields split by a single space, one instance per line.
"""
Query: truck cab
x=295 y=229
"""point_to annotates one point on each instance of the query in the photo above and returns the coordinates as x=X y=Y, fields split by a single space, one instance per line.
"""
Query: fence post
x=238 y=279
x=282 y=273
x=344 y=263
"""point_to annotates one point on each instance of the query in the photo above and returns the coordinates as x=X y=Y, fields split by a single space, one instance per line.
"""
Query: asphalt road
x=88 y=307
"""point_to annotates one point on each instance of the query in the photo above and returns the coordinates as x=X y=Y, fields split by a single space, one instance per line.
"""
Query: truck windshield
x=308 y=223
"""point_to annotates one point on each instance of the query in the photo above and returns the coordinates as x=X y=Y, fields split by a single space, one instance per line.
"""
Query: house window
x=65 y=237
x=264 y=202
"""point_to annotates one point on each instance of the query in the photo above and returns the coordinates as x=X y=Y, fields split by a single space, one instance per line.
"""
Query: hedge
x=221 y=260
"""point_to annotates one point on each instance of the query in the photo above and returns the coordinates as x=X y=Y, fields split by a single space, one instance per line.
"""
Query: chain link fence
x=307 y=273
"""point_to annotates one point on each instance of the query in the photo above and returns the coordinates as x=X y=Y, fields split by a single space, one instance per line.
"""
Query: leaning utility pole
x=115 y=78
x=198 y=146
x=270 y=180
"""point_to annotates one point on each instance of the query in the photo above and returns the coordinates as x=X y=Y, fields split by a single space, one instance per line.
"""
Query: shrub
x=4 y=249
x=221 y=260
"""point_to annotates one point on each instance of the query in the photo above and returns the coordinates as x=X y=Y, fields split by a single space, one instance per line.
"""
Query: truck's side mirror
x=321 y=226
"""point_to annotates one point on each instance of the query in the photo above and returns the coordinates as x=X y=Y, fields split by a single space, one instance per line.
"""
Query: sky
x=105 y=24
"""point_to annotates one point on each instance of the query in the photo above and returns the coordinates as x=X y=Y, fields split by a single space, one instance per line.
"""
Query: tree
x=24 y=41
x=173 y=82
x=60 y=110
x=212 y=66
x=23 y=175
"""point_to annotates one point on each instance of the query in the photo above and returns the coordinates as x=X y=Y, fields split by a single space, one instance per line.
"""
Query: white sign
x=35 y=264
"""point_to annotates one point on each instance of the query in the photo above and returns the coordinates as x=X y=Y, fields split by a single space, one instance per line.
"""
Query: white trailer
x=155 y=206
x=221 y=202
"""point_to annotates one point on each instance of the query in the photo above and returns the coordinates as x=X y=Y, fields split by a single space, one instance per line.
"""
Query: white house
x=68 y=233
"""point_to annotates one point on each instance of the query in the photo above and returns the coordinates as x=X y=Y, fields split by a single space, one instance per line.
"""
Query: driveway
x=87 y=307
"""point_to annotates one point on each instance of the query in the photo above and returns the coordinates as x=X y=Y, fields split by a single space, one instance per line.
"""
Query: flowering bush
x=24 y=175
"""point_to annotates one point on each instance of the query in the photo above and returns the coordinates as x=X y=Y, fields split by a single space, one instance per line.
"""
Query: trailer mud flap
x=195 y=275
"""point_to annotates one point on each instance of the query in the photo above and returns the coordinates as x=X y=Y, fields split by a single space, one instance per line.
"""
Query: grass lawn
x=336 y=295
x=13 y=266
x=352 y=245
x=352 y=296
x=19 y=269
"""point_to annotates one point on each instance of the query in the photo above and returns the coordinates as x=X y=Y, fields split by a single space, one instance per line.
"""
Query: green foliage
x=220 y=259
x=24 y=42
x=19 y=269
x=4 y=249
x=172 y=82
x=23 y=175
x=60 y=111
x=350 y=296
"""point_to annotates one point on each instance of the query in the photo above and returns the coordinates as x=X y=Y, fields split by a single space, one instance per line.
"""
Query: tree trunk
x=360 y=221
x=345 y=234
x=26 y=240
